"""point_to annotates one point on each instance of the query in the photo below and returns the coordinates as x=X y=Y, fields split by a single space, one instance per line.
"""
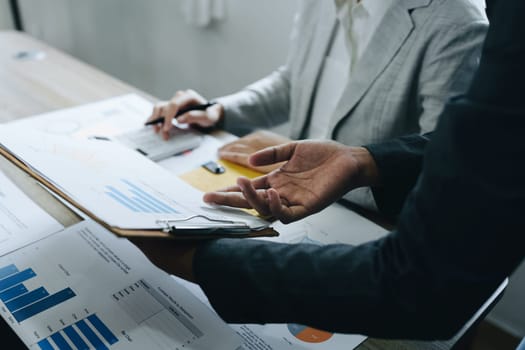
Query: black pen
x=181 y=111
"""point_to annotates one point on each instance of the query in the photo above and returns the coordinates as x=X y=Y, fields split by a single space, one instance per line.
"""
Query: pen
x=181 y=111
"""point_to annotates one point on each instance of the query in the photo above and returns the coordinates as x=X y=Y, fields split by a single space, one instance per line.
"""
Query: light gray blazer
x=422 y=53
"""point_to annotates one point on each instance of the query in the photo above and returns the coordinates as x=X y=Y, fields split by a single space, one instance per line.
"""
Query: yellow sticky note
x=206 y=181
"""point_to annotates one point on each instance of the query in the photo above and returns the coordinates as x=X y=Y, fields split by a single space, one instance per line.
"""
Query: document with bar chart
x=115 y=184
x=84 y=288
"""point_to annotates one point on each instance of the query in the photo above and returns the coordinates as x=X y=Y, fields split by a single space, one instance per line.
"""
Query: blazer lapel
x=390 y=35
x=311 y=72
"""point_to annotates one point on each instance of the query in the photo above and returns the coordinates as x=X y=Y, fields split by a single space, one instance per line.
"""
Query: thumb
x=274 y=154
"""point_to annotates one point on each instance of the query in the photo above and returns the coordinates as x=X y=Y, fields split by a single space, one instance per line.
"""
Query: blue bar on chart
x=75 y=338
x=26 y=299
x=148 y=197
x=90 y=335
x=144 y=203
x=13 y=292
x=75 y=332
x=102 y=329
x=16 y=278
x=61 y=342
x=43 y=304
x=121 y=198
x=45 y=345
x=139 y=201
x=7 y=270
x=158 y=204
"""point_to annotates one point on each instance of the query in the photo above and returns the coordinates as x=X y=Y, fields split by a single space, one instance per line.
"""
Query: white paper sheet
x=106 y=118
x=116 y=184
x=21 y=220
x=334 y=224
x=120 y=119
x=85 y=283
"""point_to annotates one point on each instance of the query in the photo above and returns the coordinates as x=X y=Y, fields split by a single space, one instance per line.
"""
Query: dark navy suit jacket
x=460 y=196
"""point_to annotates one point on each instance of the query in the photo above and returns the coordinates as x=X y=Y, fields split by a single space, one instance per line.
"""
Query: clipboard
x=170 y=229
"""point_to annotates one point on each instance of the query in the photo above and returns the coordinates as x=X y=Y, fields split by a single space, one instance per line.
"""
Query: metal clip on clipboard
x=214 y=226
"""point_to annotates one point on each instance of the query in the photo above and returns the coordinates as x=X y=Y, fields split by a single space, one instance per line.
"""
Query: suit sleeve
x=263 y=104
x=399 y=161
x=460 y=232
x=449 y=63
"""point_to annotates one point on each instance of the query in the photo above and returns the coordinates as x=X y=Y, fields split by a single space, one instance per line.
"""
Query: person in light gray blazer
x=422 y=53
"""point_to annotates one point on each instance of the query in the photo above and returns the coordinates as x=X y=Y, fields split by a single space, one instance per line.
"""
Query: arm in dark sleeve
x=460 y=233
x=399 y=162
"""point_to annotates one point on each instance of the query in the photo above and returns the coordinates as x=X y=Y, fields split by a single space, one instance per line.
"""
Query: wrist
x=220 y=113
x=367 y=172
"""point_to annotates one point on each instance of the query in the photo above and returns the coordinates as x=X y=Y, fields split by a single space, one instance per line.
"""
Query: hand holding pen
x=188 y=107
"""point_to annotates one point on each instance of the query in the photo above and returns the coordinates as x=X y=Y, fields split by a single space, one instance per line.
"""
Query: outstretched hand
x=316 y=173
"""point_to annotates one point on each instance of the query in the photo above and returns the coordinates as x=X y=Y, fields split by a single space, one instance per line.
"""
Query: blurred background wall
x=6 y=22
x=152 y=45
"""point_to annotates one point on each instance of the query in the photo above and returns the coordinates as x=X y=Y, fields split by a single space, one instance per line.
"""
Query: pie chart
x=308 y=334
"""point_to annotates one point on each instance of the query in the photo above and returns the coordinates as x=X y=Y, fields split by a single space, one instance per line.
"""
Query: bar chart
x=88 y=333
x=84 y=288
x=22 y=303
x=137 y=199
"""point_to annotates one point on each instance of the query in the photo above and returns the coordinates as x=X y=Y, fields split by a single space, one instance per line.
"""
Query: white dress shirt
x=358 y=21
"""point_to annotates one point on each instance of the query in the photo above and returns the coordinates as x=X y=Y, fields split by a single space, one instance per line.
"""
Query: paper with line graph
x=84 y=288
x=116 y=184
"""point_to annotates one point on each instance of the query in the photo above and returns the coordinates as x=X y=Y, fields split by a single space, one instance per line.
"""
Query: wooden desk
x=57 y=80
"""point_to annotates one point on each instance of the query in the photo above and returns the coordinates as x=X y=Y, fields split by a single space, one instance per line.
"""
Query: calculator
x=153 y=146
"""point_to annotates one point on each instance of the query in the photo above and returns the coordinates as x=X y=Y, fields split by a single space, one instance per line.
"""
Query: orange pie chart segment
x=308 y=334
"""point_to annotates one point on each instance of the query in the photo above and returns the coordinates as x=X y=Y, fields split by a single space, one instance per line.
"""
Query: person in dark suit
x=459 y=194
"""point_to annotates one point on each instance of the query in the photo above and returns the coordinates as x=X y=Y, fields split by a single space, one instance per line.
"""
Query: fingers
x=245 y=195
x=169 y=114
x=230 y=196
x=156 y=113
x=200 y=118
x=282 y=212
x=269 y=203
x=230 y=199
x=266 y=201
x=261 y=182
x=257 y=200
x=169 y=110
x=273 y=154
